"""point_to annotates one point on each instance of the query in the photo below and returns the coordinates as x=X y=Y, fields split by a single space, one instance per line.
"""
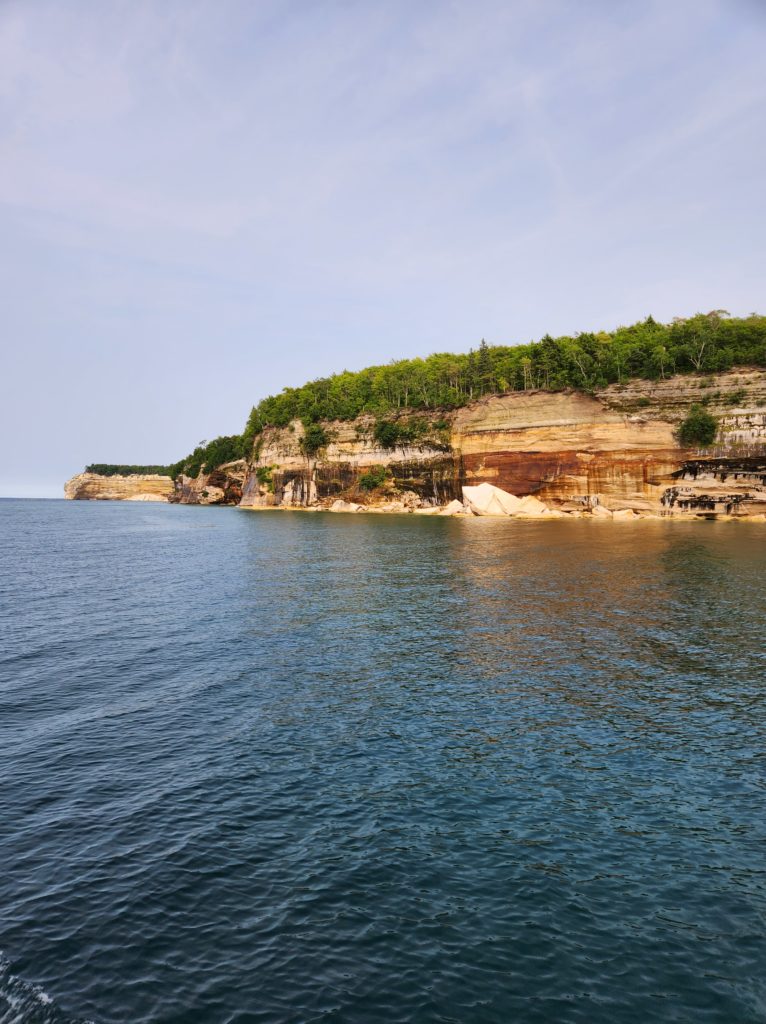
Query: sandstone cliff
x=221 y=487
x=93 y=487
x=617 y=447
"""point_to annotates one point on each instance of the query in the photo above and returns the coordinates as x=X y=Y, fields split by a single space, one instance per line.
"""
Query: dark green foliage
x=264 y=477
x=108 y=469
x=736 y=397
x=412 y=430
x=699 y=428
x=374 y=477
x=209 y=455
x=705 y=343
x=315 y=437
x=253 y=427
x=387 y=433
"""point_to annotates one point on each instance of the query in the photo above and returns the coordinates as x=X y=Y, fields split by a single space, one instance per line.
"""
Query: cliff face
x=221 y=487
x=617 y=446
x=282 y=475
x=93 y=487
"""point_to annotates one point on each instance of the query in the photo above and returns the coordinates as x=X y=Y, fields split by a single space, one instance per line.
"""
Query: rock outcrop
x=94 y=487
x=223 y=486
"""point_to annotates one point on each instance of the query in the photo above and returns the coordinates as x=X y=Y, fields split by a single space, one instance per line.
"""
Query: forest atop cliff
x=704 y=343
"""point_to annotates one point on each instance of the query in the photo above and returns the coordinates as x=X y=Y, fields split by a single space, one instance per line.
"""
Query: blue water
x=272 y=767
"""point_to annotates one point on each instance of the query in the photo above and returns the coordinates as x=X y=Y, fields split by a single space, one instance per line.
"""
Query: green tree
x=699 y=429
x=374 y=477
x=387 y=433
x=315 y=437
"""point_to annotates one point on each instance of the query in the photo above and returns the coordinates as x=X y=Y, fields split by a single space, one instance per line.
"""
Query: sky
x=205 y=201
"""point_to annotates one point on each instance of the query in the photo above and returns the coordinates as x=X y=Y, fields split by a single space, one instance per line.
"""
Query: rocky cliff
x=94 y=487
x=221 y=487
x=616 y=448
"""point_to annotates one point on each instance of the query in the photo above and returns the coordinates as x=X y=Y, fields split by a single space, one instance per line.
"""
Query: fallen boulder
x=488 y=500
x=455 y=508
x=531 y=507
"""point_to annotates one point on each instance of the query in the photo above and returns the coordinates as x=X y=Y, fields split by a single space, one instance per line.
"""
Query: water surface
x=263 y=767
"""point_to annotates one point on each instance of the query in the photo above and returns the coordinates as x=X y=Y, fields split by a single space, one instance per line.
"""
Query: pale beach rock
x=531 y=506
x=388 y=506
x=339 y=505
x=455 y=508
x=488 y=500
x=410 y=499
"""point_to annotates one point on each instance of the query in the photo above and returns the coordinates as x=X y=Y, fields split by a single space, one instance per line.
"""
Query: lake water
x=273 y=767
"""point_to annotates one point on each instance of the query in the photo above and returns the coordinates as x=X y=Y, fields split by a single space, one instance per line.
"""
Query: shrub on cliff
x=699 y=428
x=315 y=437
x=374 y=477
x=387 y=433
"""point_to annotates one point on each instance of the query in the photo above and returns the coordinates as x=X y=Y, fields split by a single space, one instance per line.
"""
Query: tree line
x=112 y=469
x=207 y=456
x=705 y=343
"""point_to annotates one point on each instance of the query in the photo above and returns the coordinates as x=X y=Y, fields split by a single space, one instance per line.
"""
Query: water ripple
x=314 y=768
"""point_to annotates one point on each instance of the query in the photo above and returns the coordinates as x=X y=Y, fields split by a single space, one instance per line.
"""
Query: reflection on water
x=271 y=767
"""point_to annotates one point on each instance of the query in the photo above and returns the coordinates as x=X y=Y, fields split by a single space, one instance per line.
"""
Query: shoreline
x=563 y=517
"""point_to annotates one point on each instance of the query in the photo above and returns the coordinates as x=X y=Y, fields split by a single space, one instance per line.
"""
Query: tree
x=387 y=433
x=374 y=477
x=699 y=429
x=315 y=437
x=484 y=368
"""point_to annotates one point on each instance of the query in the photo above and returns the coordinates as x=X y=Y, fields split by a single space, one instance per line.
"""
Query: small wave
x=24 y=1003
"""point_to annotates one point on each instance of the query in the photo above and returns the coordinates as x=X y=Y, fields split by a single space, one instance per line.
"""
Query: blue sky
x=203 y=202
